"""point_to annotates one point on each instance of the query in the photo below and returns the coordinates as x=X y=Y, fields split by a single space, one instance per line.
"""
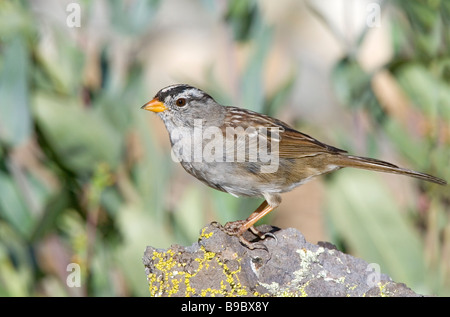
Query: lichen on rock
x=219 y=265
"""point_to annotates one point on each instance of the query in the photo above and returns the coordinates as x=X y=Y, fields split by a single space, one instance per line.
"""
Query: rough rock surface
x=219 y=265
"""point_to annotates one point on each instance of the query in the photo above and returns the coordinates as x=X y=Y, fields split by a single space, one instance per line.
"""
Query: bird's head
x=181 y=104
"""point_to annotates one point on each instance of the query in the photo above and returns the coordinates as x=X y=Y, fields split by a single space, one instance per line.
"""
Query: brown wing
x=295 y=144
x=291 y=143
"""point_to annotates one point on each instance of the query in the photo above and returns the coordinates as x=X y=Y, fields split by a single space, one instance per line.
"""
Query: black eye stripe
x=176 y=90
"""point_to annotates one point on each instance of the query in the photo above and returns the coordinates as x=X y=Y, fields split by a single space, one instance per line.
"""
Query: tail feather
x=382 y=166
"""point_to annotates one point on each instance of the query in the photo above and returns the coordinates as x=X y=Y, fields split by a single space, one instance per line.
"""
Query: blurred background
x=86 y=176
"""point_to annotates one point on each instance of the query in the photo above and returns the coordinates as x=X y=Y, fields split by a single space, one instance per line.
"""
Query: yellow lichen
x=302 y=289
x=204 y=235
x=169 y=281
x=383 y=291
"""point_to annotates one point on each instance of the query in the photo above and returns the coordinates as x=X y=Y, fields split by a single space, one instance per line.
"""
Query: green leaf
x=15 y=120
x=365 y=214
x=154 y=165
x=16 y=264
x=79 y=137
x=412 y=148
x=132 y=17
x=12 y=206
x=226 y=206
x=242 y=16
x=15 y=19
x=279 y=98
x=350 y=82
x=55 y=206
x=139 y=230
x=427 y=91
x=420 y=28
x=353 y=87
x=252 y=79
x=189 y=214
x=60 y=69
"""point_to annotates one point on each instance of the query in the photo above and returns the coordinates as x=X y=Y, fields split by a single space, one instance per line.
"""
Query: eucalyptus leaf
x=132 y=17
x=15 y=20
x=55 y=206
x=252 y=79
x=365 y=214
x=350 y=82
x=426 y=90
x=279 y=98
x=15 y=119
x=13 y=207
x=353 y=87
x=138 y=229
x=145 y=173
x=80 y=139
x=241 y=15
x=16 y=269
x=60 y=69
x=189 y=214
x=226 y=206
x=415 y=150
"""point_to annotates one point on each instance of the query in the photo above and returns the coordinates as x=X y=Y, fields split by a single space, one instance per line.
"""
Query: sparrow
x=245 y=153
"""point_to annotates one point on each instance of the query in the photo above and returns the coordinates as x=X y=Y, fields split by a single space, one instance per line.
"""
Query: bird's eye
x=181 y=102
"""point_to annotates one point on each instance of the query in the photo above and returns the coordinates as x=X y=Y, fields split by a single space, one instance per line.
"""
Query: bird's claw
x=237 y=228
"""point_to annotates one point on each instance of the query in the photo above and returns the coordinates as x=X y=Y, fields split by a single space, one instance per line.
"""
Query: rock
x=219 y=265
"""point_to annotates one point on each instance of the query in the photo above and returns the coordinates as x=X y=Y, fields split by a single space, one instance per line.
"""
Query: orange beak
x=154 y=105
